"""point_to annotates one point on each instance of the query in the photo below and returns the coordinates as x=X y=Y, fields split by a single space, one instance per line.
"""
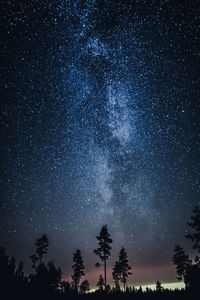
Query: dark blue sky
x=100 y=125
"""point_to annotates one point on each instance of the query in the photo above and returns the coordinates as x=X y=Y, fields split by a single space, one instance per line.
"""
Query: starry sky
x=100 y=125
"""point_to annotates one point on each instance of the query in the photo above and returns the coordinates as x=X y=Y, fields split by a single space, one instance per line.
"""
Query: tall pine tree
x=42 y=245
x=181 y=261
x=104 y=241
x=124 y=266
x=116 y=274
x=195 y=224
x=78 y=268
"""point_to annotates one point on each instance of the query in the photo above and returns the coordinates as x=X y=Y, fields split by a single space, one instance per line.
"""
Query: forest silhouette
x=46 y=280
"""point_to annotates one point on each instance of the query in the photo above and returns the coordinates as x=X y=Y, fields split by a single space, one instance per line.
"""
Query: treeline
x=46 y=279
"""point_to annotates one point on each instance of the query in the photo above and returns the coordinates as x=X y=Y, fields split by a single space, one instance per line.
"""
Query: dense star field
x=100 y=125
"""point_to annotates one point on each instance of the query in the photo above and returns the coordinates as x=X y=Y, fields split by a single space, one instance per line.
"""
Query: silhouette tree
x=54 y=276
x=100 y=283
x=108 y=288
x=159 y=287
x=85 y=286
x=12 y=278
x=116 y=274
x=195 y=224
x=192 y=276
x=47 y=278
x=65 y=287
x=104 y=249
x=78 y=269
x=187 y=269
x=124 y=266
x=42 y=245
x=19 y=271
x=182 y=262
x=140 y=292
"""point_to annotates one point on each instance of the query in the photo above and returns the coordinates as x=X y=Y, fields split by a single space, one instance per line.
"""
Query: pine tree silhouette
x=19 y=271
x=186 y=269
x=100 y=283
x=13 y=282
x=124 y=266
x=159 y=287
x=181 y=261
x=78 y=268
x=116 y=274
x=195 y=224
x=47 y=277
x=42 y=245
x=104 y=249
x=85 y=286
x=65 y=287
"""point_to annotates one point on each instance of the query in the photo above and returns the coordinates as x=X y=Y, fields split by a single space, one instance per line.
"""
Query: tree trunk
x=105 y=273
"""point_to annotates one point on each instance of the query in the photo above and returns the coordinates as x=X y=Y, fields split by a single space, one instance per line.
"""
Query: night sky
x=100 y=125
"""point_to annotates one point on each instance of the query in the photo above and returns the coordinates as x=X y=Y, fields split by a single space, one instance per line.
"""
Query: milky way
x=100 y=119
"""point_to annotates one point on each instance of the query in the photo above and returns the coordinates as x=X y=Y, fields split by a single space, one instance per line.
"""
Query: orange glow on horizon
x=141 y=276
